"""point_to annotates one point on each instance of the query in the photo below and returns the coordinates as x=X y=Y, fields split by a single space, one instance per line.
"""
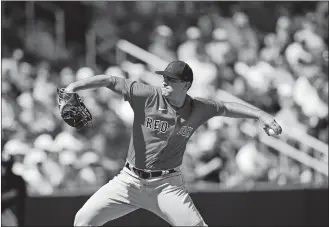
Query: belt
x=148 y=174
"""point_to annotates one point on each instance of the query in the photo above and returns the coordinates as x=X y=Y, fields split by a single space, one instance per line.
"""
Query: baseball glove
x=72 y=109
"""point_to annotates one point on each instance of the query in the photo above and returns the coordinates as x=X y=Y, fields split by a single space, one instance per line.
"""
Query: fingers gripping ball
x=271 y=132
x=72 y=109
x=273 y=129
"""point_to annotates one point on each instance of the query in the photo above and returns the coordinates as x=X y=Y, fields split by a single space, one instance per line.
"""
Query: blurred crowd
x=48 y=154
x=283 y=72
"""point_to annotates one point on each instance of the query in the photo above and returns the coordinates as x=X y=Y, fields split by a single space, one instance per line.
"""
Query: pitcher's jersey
x=160 y=133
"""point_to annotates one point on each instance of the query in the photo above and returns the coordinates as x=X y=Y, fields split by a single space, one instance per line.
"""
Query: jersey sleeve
x=136 y=93
x=210 y=108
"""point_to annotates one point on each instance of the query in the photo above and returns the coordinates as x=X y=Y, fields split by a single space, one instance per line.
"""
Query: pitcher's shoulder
x=142 y=89
x=199 y=101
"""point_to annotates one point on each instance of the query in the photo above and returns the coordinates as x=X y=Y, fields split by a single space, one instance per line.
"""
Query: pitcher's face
x=172 y=86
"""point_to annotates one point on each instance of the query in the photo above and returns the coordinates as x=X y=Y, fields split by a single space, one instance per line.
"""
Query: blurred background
x=272 y=55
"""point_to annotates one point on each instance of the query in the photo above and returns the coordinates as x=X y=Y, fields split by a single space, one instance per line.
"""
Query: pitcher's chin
x=166 y=91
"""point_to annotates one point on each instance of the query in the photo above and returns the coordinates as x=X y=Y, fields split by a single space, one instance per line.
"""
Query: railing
x=57 y=13
x=124 y=47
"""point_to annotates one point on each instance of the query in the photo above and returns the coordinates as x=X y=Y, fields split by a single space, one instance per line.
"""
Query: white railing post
x=91 y=48
x=120 y=55
x=60 y=28
x=29 y=12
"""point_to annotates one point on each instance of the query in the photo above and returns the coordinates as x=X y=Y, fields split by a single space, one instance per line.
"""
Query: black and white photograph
x=164 y=113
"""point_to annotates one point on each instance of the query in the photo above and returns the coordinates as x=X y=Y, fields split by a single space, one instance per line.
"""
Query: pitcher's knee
x=81 y=219
x=201 y=223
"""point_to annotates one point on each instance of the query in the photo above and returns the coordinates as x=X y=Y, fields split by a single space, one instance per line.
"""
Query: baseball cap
x=178 y=69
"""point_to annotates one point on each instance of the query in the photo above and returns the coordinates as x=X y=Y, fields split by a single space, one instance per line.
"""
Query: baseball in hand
x=271 y=132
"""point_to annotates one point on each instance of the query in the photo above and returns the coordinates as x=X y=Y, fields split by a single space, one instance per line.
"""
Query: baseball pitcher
x=164 y=120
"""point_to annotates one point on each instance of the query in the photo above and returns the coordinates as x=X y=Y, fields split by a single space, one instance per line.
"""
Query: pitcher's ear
x=187 y=85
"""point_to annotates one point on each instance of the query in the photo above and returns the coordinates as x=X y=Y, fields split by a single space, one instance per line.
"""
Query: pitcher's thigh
x=110 y=202
x=178 y=209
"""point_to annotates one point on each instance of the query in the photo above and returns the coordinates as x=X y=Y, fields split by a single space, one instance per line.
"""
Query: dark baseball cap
x=178 y=69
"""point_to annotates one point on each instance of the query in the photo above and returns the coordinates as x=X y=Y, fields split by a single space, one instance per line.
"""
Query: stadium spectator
x=161 y=45
x=13 y=194
x=188 y=49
